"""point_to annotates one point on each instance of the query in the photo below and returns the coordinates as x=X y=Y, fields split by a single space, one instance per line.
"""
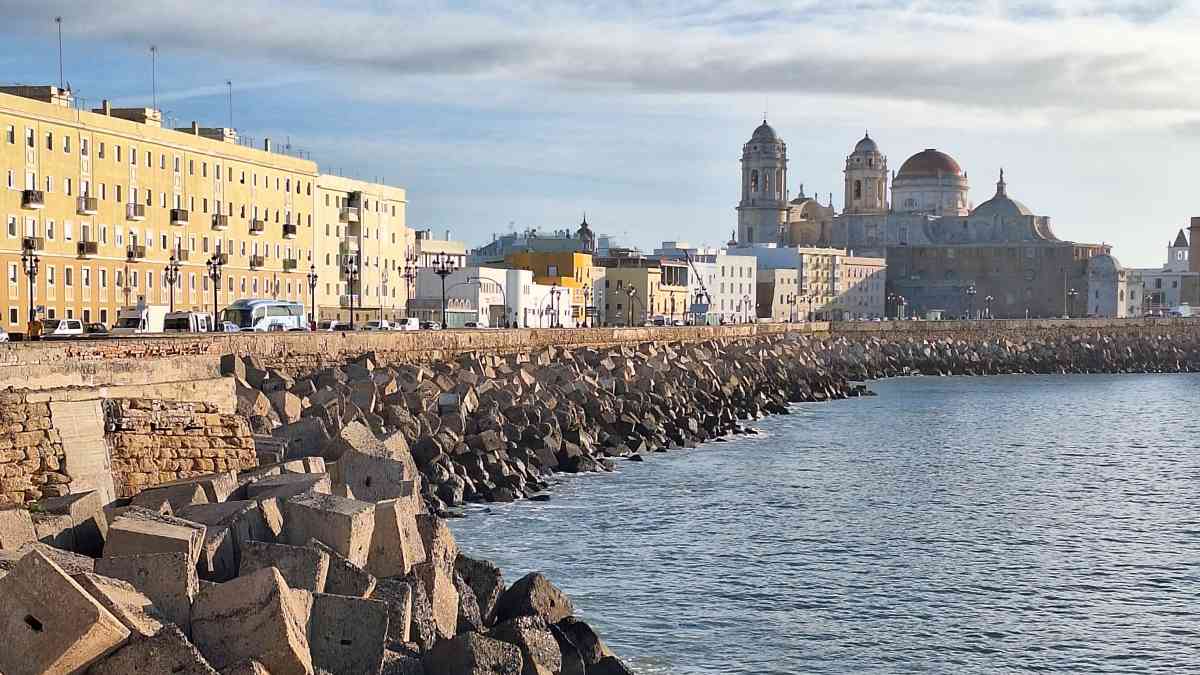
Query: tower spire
x=1001 y=186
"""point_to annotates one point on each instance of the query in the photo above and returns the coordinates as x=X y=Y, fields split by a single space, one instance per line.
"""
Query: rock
x=534 y=595
x=245 y=520
x=539 y=650
x=246 y=667
x=397 y=595
x=486 y=582
x=16 y=528
x=469 y=616
x=572 y=660
x=344 y=577
x=395 y=663
x=423 y=630
x=306 y=436
x=440 y=547
x=443 y=596
x=218 y=560
x=345 y=525
x=287 y=406
x=374 y=470
x=86 y=511
x=130 y=606
x=610 y=665
x=178 y=496
x=218 y=487
x=49 y=624
x=287 y=485
x=139 y=531
x=300 y=566
x=168 y=579
x=347 y=635
x=590 y=646
x=71 y=563
x=168 y=651
x=396 y=543
x=473 y=654
x=251 y=617
x=57 y=530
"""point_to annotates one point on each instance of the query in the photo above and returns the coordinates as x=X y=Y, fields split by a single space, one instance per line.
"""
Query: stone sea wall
x=31 y=451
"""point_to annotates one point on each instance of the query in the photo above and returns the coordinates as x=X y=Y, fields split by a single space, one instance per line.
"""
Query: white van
x=187 y=322
x=264 y=315
x=381 y=324
x=60 y=328
x=140 y=319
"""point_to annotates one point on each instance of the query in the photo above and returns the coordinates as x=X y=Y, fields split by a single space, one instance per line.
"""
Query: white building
x=725 y=282
x=1169 y=286
x=489 y=296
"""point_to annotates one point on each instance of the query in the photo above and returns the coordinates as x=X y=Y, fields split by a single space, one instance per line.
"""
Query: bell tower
x=866 y=179
x=762 y=211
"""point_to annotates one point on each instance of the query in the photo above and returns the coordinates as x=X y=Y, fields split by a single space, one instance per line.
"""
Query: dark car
x=342 y=327
x=96 y=330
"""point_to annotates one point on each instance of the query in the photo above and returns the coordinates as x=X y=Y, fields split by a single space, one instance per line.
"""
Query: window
x=68 y=231
x=176 y=164
x=104 y=316
x=103 y=280
x=162 y=161
x=191 y=167
x=67 y=186
x=50 y=229
x=49 y=140
x=117 y=150
x=83 y=147
x=67 y=144
x=204 y=169
x=12 y=313
x=11 y=135
x=68 y=279
x=133 y=156
x=85 y=275
x=100 y=154
x=12 y=273
x=12 y=226
x=50 y=275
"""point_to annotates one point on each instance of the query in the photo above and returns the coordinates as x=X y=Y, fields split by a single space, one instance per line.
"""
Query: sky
x=499 y=116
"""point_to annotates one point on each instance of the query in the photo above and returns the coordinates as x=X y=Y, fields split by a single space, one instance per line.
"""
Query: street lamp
x=1071 y=300
x=988 y=303
x=410 y=275
x=215 y=263
x=632 y=292
x=312 y=295
x=30 y=263
x=353 y=275
x=443 y=266
x=971 y=300
x=171 y=276
x=747 y=305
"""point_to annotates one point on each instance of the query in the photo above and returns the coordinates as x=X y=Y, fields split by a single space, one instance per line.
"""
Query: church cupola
x=763 y=207
x=866 y=179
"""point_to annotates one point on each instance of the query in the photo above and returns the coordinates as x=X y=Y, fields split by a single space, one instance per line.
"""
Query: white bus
x=264 y=315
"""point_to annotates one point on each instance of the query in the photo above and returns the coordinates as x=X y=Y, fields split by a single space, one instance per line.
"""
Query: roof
x=1003 y=206
x=764 y=134
x=1180 y=240
x=867 y=144
x=929 y=163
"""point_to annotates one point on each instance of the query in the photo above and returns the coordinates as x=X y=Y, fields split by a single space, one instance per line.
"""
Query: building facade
x=640 y=289
x=778 y=295
x=1177 y=281
x=570 y=270
x=836 y=285
x=722 y=283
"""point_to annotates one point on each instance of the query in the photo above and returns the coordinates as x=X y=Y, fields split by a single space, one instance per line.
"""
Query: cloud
x=1072 y=58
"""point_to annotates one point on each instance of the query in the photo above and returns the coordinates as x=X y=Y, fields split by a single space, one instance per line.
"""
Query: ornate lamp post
x=632 y=292
x=988 y=303
x=1071 y=293
x=312 y=295
x=30 y=264
x=748 y=307
x=443 y=266
x=971 y=300
x=171 y=276
x=353 y=275
x=215 y=263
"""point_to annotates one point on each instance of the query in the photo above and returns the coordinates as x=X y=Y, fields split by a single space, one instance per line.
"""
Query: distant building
x=721 y=282
x=1177 y=281
x=638 y=289
x=569 y=270
x=581 y=240
x=836 y=285
x=778 y=294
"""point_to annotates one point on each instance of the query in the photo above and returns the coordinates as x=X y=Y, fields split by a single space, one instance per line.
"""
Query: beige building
x=106 y=198
x=834 y=284
x=778 y=295
x=638 y=289
x=368 y=255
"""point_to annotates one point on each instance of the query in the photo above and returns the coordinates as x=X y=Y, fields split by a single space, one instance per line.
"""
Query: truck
x=140 y=319
x=188 y=322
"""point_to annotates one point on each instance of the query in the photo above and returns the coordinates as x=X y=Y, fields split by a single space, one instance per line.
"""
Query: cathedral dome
x=929 y=163
x=867 y=144
x=764 y=134
x=1001 y=205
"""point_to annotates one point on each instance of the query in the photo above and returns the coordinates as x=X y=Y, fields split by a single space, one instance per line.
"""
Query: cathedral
x=943 y=253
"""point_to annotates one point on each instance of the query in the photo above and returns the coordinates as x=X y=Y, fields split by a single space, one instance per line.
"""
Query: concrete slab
x=218 y=487
x=344 y=578
x=49 y=624
x=345 y=525
x=396 y=543
x=168 y=651
x=288 y=485
x=347 y=635
x=178 y=496
x=16 y=528
x=397 y=594
x=168 y=579
x=87 y=514
x=131 y=607
x=137 y=531
x=301 y=566
x=442 y=594
x=473 y=654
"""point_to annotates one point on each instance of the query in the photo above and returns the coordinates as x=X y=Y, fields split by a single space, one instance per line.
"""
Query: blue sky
x=530 y=113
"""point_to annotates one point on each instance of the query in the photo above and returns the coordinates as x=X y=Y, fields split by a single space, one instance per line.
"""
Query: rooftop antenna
x=229 y=84
x=154 y=75
x=58 y=21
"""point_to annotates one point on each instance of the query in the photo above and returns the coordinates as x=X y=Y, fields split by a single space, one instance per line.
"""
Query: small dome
x=867 y=144
x=764 y=134
x=1003 y=206
x=929 y=163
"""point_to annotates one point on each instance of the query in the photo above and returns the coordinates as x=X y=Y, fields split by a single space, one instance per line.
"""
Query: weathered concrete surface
x=251 y=617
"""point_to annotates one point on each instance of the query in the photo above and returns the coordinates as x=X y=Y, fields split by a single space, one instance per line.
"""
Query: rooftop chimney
x=106 y=107
x=195 y=128
x=267 y=144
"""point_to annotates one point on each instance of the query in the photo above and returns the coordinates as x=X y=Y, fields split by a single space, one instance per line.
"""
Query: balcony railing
x=354 y=230
x=290 y=264
x=256 y=262
x=220 y=222
x=86 y=206
x=135 y=212
x=34 y=244
x=258 y=226
x=289 y=231
x=135 y=252
x=33 y=199
x=179 y=216
x=87 y=248
x=348 y=214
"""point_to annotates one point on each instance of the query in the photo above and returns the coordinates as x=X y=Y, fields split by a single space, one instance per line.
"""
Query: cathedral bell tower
x=866 y=179
x=762 y=211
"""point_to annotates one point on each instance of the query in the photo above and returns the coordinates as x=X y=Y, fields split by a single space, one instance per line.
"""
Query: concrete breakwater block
x=251 y=617
x=168 y=579
x=138 y=531
x=345 y=525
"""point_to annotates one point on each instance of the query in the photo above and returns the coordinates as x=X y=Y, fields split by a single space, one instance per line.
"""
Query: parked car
x=61 y=328
x=96 y=330
x=474 y=324
x=381 y=324
x=430 y=325
x=409 y=323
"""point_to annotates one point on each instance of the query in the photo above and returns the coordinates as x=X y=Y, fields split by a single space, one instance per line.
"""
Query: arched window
x=858 y=189
x=754 y=180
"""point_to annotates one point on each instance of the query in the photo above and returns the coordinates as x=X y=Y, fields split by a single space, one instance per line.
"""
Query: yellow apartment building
x=366 y=250
x=660 y=289
x=568 y=269
x=106 y=198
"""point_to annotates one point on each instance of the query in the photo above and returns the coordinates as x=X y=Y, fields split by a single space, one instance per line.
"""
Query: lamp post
x=632 y=292
x=30 y=263
x=410 y=276
x=987 y=301
x=971 y=300
x=443 y=266
x=748 y=307
x=353 y=274
x=215 y=263
x=1071 y=293
x=171 y=276
x=312 y=295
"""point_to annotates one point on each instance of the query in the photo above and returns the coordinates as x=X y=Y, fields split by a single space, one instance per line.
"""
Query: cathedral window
x=858 y=189
x=754 y=180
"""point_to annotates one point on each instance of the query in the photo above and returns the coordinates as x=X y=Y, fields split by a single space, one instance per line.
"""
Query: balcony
x=290 y=264
x=179 y=216
x=33 y=199
x=181 y=255
x=349 y=214
x=222 y=258
x=220 y=222
x=354 y=201
x=86 y=206
x=258 y=226
x=35 y=244
x=135 y=253
x=86 y=249
x=289 y=231
x=257 y=262
x=135 y=212
x=353 y=231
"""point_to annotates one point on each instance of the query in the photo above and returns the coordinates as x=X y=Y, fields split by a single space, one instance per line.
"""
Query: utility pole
x=229 y=84
x=154 y=75
x=58 y=21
